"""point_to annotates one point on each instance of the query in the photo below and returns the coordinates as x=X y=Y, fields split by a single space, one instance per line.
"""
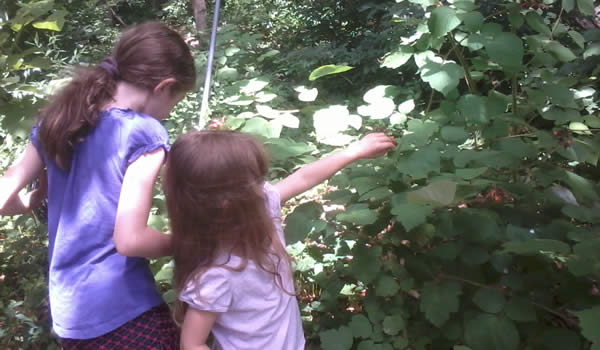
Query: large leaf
x=439 y=300
x=491 y=332
x=336 y=339
x=327 y=70
x=536 y=22
x=506 y=49
x=398 y=57
x=535 y=246
x=303 y=221
x=366 y=264
x=411 y=215
x=443 y=20
x=489 y=300
x=437 y=194
x=589 y=321
x=473 y=108
x=358 y=214
x=361 y=326
x=53 y=22
x=561 y=52
x=586 y=7
x=392 y=325
x=443 y=77
x=330 y=123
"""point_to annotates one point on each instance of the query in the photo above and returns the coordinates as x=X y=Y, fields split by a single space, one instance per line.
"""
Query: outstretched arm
x=132 y=235
x=26 y=169
x=371 y=146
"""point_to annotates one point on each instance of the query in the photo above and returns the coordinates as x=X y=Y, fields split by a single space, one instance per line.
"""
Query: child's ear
x=166 y=85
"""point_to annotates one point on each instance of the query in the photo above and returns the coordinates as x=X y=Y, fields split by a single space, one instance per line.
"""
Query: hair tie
x=109 y=64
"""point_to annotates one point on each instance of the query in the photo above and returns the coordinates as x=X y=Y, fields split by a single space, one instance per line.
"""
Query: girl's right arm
x=132 y=235
x=196 y=328
x=371 y=146
x=26 y=169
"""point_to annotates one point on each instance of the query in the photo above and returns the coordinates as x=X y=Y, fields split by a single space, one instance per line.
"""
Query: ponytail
x=74 y=112
x=146 y=54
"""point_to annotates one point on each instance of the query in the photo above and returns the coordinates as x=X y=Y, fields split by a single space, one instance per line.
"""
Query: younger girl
x=102 y=144
x=232 y=272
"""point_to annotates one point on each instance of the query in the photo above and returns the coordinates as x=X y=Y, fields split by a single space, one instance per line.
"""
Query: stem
x=556 y=23
x=430 y=101
x=514 y=94
x=564 y=317
x=463 y=63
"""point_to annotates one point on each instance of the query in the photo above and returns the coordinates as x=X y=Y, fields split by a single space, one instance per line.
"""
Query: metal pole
x=211 y=55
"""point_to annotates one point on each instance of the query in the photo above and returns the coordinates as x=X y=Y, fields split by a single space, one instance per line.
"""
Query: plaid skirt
x=152 y=330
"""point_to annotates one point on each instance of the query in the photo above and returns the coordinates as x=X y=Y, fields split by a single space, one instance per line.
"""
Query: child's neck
x=128 y=96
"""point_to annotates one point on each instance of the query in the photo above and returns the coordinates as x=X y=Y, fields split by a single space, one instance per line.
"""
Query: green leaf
x=560 y=339
x=442 y=20
x=398 y=57
x=330 y=123
x=283 y=148
x=336 y=339
x=506 y=49
x=54 y=22
x=380 y=92
x=261 y=127
x=535 y=246
x=473 y=108
x=327 y=70
x=419 y=133
x=586 y=7
x=461 y=347
x=358 y=214
x=592 y=50
x=442 y=77
x=252 y=86
x=491 y=332
x=578 y=39
x=386 y=286
x=302 y=221
x=439 y=300
x=307 y=95
x=361 y=327
x=267 y=54
x=454 y=134
x=589 y=321
x=489 y=300
x=562 y=53
x=535 y=21
x=366 y=264
x=520 y=309
x=437 y=194
x=473 y=20
x=392 y=325
x=421 y=163
x=568 y=5
x=411 y=215
x=469 y=174
x=406 y=106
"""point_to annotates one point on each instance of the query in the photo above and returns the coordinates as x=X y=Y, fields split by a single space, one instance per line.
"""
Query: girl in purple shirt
x=102 y=144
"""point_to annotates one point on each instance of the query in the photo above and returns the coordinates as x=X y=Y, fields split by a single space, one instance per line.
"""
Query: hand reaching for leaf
x=372 y=146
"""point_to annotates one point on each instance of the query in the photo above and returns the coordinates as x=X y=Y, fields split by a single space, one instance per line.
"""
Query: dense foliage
x=480 y=231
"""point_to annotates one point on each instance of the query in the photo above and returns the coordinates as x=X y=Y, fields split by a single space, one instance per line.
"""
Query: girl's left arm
x=28 y=167
x=196 y=328
x=132 y=235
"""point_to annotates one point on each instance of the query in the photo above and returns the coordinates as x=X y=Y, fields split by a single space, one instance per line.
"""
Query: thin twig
x=514 y=94
x=463 y=62
x=556 y=23
x=114 y=14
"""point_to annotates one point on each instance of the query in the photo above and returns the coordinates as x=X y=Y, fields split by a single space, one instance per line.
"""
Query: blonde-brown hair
x=216 y=203
x=145 y=55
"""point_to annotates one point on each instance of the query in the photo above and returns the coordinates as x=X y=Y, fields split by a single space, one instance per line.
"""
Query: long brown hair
x=145 y=55
x=214 y=188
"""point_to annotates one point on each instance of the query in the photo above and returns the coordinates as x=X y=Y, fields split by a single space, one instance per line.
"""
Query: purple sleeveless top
x=94 y=289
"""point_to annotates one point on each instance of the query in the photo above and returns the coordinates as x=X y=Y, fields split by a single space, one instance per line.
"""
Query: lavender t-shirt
x=94 y=289
x=254 y=312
